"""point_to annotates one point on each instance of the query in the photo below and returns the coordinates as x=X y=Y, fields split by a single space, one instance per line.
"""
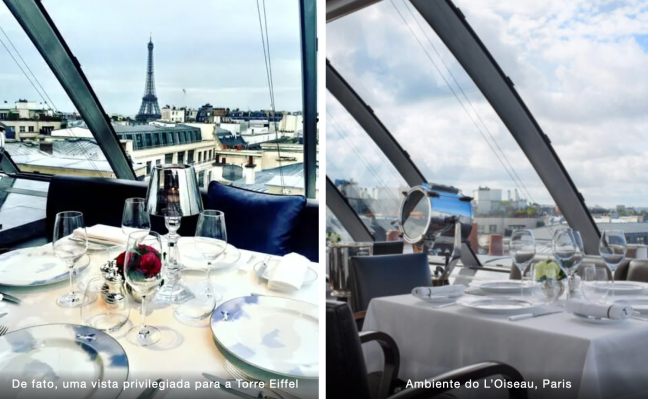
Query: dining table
x=563 y=355
x=186 y=349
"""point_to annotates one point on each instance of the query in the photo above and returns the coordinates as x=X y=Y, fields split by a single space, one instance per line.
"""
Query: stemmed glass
x=69 y=249
x=143 y=271
x=135 y=217
x=567 y=248
x=522 y=250
x=211 y=241
x=612 y=248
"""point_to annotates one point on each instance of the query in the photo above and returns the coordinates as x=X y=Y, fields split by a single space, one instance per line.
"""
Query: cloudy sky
x=212 y=49
x=580 y=66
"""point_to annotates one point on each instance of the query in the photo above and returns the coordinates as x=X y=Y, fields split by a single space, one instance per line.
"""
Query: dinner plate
x=638 y=303
x=499 y=305
x=28 y=267
x=597 y=320
x=498 y=286
x=191 y=257
x=621 y=287
x=309 y=278
x=273 y=334
x=62 y=353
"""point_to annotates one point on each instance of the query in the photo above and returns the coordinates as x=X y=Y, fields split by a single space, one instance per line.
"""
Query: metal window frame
x=339 y=8
x=41 y=30
x=451 y=26
x=346 y=215
x=308 y=34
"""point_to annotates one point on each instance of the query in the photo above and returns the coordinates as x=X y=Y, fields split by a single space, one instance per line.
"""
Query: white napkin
x=610 y=311
x=100 y=233
x=448 y=290
x=289 y=274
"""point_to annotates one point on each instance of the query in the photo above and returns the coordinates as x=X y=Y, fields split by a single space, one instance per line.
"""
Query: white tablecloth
x=600 y=361
x=184 y=352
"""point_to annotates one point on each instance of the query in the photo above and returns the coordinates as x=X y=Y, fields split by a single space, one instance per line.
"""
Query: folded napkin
x=100 y=233
x=448 y=290
x=610 y=311
x=289 y=273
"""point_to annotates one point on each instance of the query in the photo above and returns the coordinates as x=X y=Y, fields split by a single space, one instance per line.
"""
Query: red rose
x=150 y=264
x=120 y=263
x=144 y=249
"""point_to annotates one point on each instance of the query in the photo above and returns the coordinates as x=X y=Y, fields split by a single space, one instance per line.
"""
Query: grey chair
x=346 y=371
x=638 y=270
x=388 y=247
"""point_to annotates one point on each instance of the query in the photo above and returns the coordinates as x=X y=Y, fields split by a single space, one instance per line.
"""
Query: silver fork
x=240 y=375
x=242 y=269
x=3 y=330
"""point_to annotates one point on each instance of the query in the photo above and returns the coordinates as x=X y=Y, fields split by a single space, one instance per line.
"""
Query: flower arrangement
x=145 y=262
x=333 y=238
x=548 y=269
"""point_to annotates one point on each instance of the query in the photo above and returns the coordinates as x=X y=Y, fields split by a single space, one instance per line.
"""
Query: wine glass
x=211 y=241
x=522 y=250
x=143 y=271
x=135 y=217
x=70 y=249
x=567 y=248
x=613 y=248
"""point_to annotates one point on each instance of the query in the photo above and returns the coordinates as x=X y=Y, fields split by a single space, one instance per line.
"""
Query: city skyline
x=228 y=71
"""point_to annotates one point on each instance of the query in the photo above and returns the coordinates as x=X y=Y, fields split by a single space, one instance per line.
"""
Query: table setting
x=129 y=313
x=554 y=324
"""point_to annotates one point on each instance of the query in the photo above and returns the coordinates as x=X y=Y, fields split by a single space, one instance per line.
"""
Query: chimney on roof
x=250 y=173
x=46 y=147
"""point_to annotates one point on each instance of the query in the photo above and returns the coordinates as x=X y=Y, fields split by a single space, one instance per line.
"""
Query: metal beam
x=345 y=214
x=308 y=30
x=42 y=31
x=365 y=116
x=451 y=26
x=339 y=8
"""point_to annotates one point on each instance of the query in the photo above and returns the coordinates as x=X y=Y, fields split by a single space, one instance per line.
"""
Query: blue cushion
x=257 y=221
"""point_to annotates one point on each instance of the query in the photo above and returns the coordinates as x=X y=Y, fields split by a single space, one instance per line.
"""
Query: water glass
x=111 y=310
x=70 y=248
x=211 y=241
x=591 y=287
x=135 y=217
x=143 y=271
x=522 y=250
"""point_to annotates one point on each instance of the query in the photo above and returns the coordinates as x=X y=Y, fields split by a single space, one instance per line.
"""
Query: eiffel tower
x=149 y=110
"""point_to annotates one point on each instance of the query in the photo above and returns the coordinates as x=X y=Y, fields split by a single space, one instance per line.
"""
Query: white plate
x=273 y=334
x=638 y=303
x=28 y=267
x=498 y=286
x=499 y=305
x=62 y=352
x=191 y=257
x=621 y=287
x=597 y=320
x=309 y=278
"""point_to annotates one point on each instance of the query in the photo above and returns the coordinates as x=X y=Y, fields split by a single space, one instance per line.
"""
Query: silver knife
x=3 y=315
x=530 y=315
x=149 y=392
x=9 y=298
x=240 y=392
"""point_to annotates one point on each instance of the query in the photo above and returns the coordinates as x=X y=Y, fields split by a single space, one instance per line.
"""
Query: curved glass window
x=398 y=65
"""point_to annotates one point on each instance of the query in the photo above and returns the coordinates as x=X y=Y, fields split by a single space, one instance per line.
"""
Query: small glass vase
x=111 y=310
x=552 y=289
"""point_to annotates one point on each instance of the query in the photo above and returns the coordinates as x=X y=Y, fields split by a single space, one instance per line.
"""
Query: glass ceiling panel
x=35 y=110
x=400 y=67
x=361 y=172
x=581 y=70
x=333 y=225
x=204 y=72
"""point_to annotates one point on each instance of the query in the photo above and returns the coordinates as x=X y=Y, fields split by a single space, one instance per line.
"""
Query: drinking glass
x=612 y=248
x=69 y=249
x=135 y=217
x=143 y=271
x=567 y=248
x=211 y=241
x=592 y=275
x=522 y=250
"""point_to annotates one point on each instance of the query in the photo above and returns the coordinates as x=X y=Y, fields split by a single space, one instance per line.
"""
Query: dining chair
x=638 y=270
x=346 y=370
x=386 y=275
x=388 y=247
